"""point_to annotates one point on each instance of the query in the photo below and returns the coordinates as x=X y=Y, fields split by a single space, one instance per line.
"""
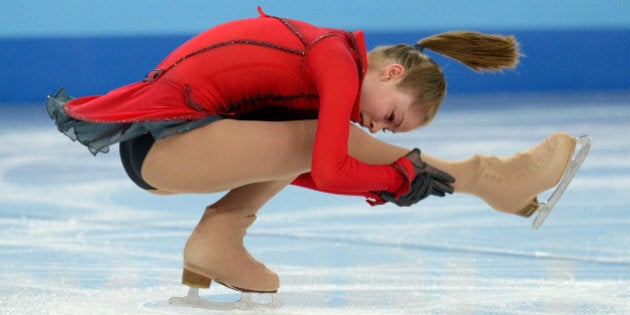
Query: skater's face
x=384 y=106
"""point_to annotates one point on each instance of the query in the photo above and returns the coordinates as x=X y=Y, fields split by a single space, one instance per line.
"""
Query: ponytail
x=476 y=50
x=424 y=78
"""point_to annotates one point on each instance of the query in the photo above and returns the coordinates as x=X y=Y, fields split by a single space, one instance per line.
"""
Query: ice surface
x=77 y=237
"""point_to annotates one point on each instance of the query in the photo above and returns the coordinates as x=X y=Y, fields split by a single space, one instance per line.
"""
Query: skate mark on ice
x=449 y=249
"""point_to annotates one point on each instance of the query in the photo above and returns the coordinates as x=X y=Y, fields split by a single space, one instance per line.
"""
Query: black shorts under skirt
x=135 y=138
x=132 y=155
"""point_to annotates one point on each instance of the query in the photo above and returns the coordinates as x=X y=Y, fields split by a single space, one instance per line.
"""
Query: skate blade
x=248 y=302
x=578 y=158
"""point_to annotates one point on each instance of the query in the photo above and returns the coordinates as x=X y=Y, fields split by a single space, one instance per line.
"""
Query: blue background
x=91 y=47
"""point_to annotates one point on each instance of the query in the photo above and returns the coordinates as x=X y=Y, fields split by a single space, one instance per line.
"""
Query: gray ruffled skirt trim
x=97 y=137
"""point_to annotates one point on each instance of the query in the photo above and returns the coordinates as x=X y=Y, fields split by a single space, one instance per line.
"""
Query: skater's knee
x=227 y=205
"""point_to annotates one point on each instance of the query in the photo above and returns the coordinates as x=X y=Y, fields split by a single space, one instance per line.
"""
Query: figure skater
x=254 y=105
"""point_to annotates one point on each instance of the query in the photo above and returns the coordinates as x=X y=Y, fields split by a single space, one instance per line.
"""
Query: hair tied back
x=419 y=47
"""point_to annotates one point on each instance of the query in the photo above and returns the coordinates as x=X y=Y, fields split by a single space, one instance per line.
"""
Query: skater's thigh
x=230 y=153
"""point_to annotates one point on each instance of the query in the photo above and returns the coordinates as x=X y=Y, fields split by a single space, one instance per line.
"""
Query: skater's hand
x=427 y=181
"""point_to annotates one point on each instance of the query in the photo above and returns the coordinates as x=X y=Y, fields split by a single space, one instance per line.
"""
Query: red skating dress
x=264 y=68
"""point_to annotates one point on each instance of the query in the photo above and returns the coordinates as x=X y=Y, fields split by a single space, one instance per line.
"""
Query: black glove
x=427 y=181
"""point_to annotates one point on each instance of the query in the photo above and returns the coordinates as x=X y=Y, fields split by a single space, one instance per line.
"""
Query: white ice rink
x=77 y=237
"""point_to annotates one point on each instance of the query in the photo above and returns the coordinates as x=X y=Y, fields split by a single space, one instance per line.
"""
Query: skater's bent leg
x=232 y=153
x=250 y=198
x=228 y=154
x=215 y=249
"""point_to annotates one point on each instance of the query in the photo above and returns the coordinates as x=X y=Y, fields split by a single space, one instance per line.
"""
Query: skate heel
x=193 y=279
x=530 y=209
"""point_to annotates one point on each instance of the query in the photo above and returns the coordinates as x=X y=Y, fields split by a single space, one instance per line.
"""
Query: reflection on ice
x=246 y=302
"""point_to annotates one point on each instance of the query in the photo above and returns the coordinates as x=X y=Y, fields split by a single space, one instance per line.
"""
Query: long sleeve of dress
x=306 y=181
x=240 y=69
x=335 y=75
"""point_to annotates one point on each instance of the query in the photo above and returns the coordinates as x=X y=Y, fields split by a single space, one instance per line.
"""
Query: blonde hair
x=425 y=78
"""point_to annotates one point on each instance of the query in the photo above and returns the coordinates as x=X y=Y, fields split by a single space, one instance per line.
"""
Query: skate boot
x=512 y=184
x=215 y=252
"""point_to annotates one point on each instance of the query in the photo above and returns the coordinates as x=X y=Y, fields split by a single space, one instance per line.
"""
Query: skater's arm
x=306 y=181
x=335 y=74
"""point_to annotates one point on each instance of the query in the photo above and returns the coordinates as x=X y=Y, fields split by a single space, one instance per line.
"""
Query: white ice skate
x=249 y=301
x=569 y=174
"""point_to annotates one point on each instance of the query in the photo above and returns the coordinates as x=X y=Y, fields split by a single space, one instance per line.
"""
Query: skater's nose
x=376 y=126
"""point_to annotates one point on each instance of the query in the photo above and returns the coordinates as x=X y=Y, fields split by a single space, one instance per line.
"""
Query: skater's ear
x=393 y=71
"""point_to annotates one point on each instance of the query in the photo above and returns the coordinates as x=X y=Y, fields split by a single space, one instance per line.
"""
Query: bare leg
x=253 y=159
x=229 y=153
x=257 y=159
x=507 y=184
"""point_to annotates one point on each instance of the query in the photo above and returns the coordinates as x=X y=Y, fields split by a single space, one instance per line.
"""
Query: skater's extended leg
x=507 y=184
x=511 y=184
